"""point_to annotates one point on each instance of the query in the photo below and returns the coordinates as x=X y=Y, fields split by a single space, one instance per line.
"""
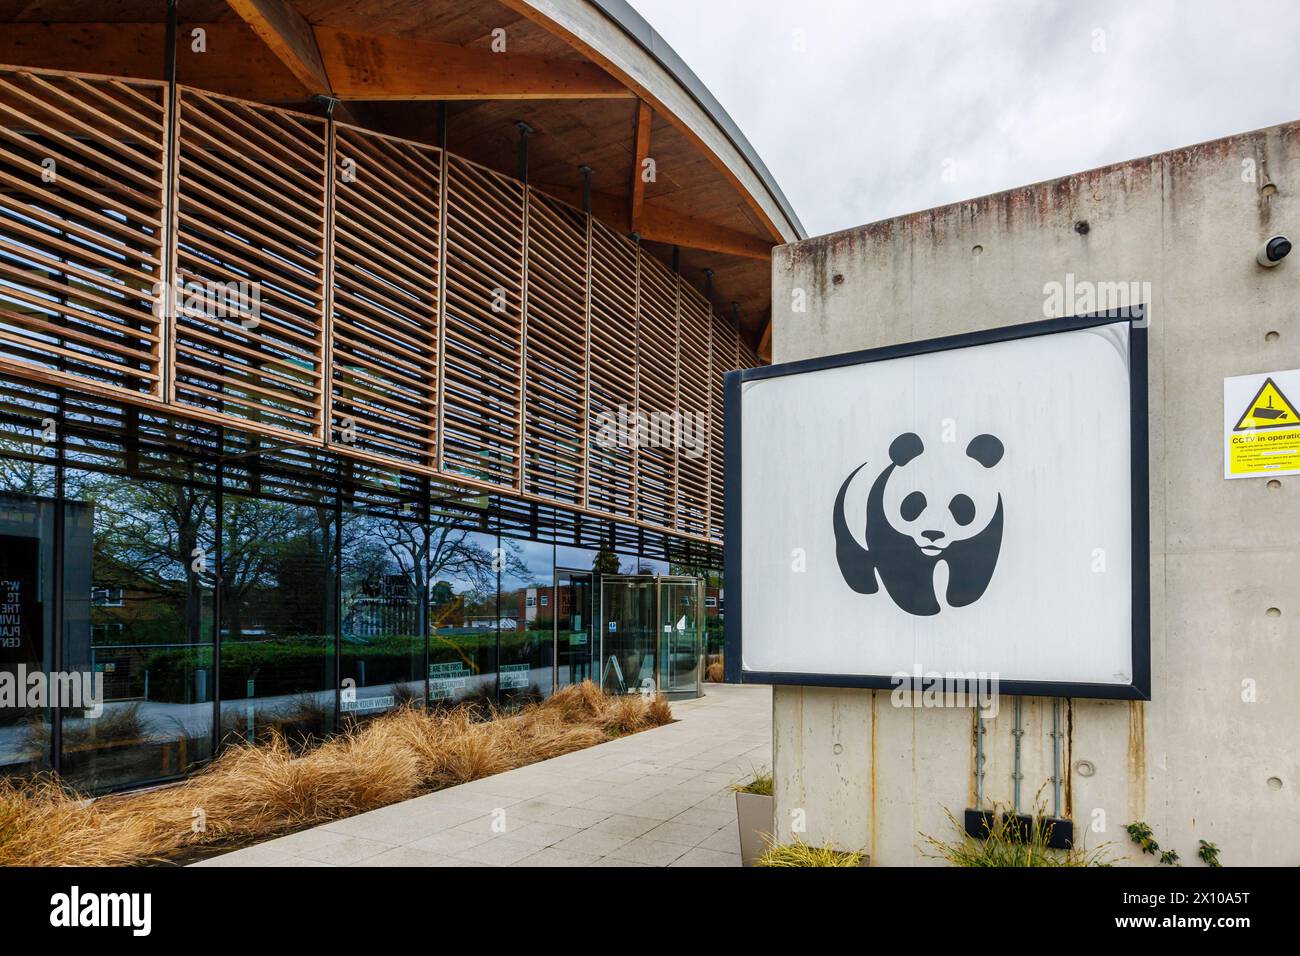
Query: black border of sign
x=1140 y=688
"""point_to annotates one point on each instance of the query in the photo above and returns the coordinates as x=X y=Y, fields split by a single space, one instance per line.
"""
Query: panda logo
x=911 y=529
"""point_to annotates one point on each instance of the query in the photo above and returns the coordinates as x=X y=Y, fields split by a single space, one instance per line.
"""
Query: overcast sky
x=867 y=109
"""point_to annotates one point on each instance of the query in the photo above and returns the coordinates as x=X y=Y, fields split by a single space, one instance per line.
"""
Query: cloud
x=893 y=107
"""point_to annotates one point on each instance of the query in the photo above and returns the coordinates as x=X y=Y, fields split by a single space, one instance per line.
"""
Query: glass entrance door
x=650 y=633
x=628 y=639
x=574 y=647
x=679 y=635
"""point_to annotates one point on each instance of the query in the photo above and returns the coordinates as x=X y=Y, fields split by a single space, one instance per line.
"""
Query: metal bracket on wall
x=1017 y=732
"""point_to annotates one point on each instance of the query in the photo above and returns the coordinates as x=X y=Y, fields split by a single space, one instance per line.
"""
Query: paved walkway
x=657 y=798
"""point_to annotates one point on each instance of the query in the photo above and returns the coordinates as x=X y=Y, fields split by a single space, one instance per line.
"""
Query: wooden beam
x=640 y=153
x=674 y=228
x=289 y=36
x=234 y=63
x=664 y=225
x=765 y=343
x=366 y=66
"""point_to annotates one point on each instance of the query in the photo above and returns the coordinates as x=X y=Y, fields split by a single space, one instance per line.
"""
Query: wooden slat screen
x=656 y=392
x=722 y=359
x=384 y=317
x=693 y=406
x=555 y=370
x=483 y=335
x=611 y=463
x=416 y=311
x=82 y=173
x=250 y=208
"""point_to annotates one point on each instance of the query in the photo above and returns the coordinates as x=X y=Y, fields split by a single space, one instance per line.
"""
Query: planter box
x=754 y=815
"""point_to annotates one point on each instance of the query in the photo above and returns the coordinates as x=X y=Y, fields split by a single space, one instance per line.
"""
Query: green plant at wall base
x=1141 y=834
x=760 y=784
x=1006 y=845
x=801 y=854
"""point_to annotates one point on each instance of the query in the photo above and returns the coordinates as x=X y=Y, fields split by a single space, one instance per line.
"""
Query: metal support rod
x=677 y=260
x=1056 y=757
x=524 y=132
x=166 y=365
x=708 y=286
x=58 y=664
x=169 y=54
x=586 y=187
x=328 y=102
x=979 y=760
x=218 y=586
x=1018 y=732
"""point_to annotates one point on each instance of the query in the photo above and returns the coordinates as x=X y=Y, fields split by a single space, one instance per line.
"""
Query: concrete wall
x=1198 y=761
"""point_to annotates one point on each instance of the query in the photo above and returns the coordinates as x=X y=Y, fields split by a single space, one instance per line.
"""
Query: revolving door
x=651 y=629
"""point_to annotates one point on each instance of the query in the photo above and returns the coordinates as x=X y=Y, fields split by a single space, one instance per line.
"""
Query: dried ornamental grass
x=255 y=790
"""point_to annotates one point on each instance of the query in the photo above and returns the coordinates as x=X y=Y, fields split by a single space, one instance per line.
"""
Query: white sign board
x=973 y=505
x=1261 y=425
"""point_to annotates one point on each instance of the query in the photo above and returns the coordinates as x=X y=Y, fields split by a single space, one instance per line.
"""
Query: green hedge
x=300 y=665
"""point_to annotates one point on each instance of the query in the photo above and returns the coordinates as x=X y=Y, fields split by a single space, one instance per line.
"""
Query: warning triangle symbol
x=1268 y=409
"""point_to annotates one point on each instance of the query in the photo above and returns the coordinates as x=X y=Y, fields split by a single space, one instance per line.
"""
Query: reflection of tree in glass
x=25 y=477
x=151 y=540
x=434 y=551
x=606 y=562
x=276 y=567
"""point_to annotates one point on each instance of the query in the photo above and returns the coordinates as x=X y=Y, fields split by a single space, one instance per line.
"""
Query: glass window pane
x=463 y=613
x=26 y=624
x=631 y=564
x=277 y=618
x=138 y=614
x=381 y=625
x=527 y=620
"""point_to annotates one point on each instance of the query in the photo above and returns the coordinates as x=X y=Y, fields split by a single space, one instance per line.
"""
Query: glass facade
x=219 y=587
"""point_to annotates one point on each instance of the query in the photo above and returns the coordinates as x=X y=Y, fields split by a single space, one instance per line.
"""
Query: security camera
x=1273 y=251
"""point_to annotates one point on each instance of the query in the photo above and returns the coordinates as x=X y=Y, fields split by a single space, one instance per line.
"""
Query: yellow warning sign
x=1265 y=452
x=1266 y=437
x=1268 y=409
